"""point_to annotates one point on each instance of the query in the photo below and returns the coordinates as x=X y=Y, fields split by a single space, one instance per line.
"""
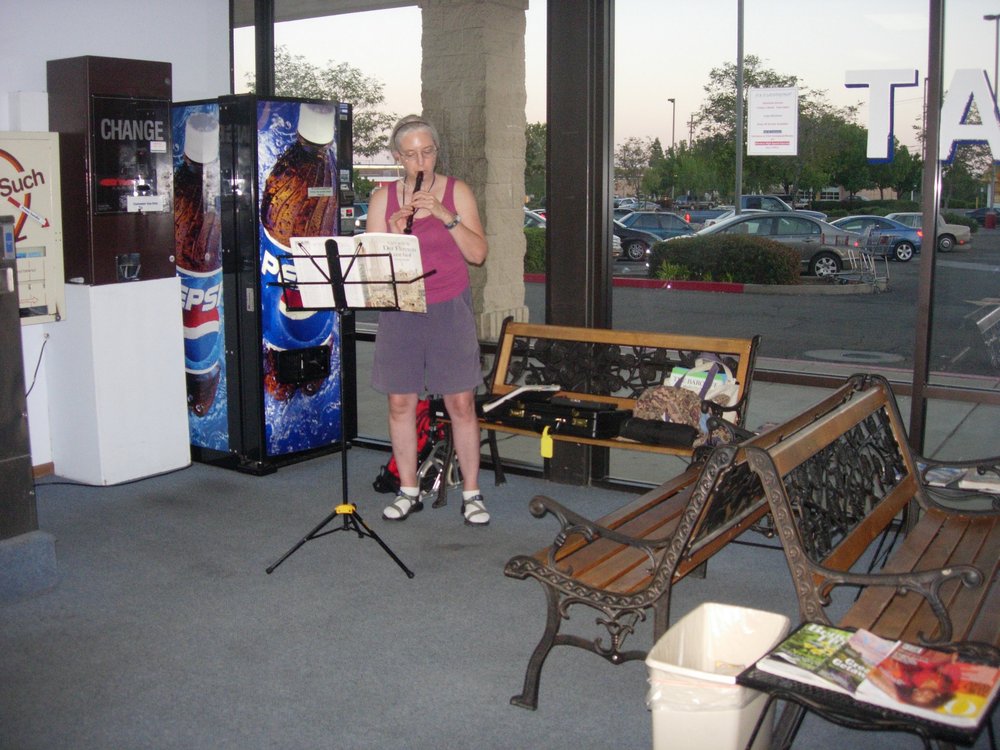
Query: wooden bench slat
x=937 y=541
x=966 y=605
x=902 y=615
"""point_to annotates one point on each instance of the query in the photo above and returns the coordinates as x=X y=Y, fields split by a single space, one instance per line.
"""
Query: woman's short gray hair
x=407 y=125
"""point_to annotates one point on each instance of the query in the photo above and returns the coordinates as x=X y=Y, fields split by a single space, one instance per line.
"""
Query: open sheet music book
x=380 y=271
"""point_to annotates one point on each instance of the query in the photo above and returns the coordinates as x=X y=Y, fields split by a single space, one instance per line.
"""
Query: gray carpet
x=165 y=632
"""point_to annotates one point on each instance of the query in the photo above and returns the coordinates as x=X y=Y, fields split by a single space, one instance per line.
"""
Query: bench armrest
x=572 y=523
x=924 y=583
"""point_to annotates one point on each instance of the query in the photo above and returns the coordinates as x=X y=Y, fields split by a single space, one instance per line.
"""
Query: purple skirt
x=436 y=352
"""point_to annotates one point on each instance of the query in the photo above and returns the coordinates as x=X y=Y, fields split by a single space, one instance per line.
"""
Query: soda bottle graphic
x=298 y=199
x=197 y=240
x=300 y=193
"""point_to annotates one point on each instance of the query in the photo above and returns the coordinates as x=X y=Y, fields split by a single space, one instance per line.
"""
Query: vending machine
x=267 y=385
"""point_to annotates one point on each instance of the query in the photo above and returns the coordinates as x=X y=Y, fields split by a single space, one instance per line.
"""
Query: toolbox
x=563 y=416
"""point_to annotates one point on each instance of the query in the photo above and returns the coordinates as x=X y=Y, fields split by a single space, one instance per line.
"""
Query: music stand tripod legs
x=336 y=278
x=350 y=520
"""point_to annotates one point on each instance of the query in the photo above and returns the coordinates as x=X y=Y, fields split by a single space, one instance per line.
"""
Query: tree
x=819 y=124
x=962 y=180
x=631 y=161
x=907 y=171
x=535 y=150
x=658 y=179
x=850 y=168
x=901 y=175
x=296 y=76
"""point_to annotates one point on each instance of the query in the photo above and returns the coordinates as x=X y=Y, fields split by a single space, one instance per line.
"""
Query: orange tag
x=546 y=445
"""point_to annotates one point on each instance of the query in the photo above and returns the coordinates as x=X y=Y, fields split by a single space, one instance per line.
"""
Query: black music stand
x=337 y=279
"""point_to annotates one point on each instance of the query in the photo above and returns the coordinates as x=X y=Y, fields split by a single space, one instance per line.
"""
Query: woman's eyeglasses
x=427 y=153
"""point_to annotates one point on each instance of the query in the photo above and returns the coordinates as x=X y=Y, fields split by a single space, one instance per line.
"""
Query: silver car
x=822 y=247
x=949 y=235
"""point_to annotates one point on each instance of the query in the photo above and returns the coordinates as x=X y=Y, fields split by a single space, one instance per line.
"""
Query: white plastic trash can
x=693 y=695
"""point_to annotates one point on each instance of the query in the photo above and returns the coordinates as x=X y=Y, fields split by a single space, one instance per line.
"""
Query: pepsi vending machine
x=266 y=385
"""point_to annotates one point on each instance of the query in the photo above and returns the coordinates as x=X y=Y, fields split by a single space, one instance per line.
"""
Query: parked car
x=692 y=201
x=823 y=248
x=633 y=204
x=774 y=203
x=620 y=213
x=635 y=242
x=979 y=214
x=949 y=235
x=905 y=240
x=730 y=213
x=534 y=219
x=360 y=223
x=661 y=223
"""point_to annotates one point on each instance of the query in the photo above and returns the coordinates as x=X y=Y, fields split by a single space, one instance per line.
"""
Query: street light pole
x=995 y=18
x=673 y=123
x=673 y=130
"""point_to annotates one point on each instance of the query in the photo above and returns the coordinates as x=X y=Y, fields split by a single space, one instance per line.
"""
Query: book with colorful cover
x=854 y=661
x=932 y=684
x=826 y=657
x=928 y=683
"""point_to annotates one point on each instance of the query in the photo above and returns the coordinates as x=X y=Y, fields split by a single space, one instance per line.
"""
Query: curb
x=818 y=287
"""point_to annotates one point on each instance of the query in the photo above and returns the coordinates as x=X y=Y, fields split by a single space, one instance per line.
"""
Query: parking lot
x=813 y=326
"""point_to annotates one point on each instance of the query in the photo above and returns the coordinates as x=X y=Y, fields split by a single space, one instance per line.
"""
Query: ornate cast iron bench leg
x=532 y=676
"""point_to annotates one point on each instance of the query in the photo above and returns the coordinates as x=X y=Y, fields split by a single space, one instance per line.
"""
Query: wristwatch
x=454 y=222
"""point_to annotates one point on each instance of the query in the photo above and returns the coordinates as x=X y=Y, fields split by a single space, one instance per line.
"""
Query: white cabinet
x=117 y=397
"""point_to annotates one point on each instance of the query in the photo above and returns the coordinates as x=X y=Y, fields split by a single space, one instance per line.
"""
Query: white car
x=730 y=214
x=949 y=235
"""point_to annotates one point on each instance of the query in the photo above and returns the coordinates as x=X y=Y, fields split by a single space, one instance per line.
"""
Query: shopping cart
x=868 y=262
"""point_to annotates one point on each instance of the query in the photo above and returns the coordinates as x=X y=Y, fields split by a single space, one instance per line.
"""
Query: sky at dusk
x=667 y=48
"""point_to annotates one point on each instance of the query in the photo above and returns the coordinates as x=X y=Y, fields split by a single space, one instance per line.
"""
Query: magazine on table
x=961 y=477
x=986 y=482
x=379 y=270
x=933 y=684
x=942 y=476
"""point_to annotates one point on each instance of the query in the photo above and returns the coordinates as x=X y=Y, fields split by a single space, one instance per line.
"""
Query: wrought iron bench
x=842 y=481
x=625 y=564
x=602 y=365
x=839 y=489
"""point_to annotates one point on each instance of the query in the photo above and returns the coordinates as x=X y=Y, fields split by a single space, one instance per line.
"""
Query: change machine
x=264 y=382
x=113 y=116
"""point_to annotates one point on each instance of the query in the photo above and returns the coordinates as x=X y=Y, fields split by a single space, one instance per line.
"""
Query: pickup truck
x=691 y=201
x=774 y=203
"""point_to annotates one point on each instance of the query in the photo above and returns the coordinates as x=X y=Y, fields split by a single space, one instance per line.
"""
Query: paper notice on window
x=773 y=122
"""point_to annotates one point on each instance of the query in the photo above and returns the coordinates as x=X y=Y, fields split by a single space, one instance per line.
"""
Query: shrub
x=534 y=254
x=727 y=257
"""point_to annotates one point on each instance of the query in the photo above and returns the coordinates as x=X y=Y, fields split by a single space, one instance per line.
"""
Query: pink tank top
x=438 y=250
